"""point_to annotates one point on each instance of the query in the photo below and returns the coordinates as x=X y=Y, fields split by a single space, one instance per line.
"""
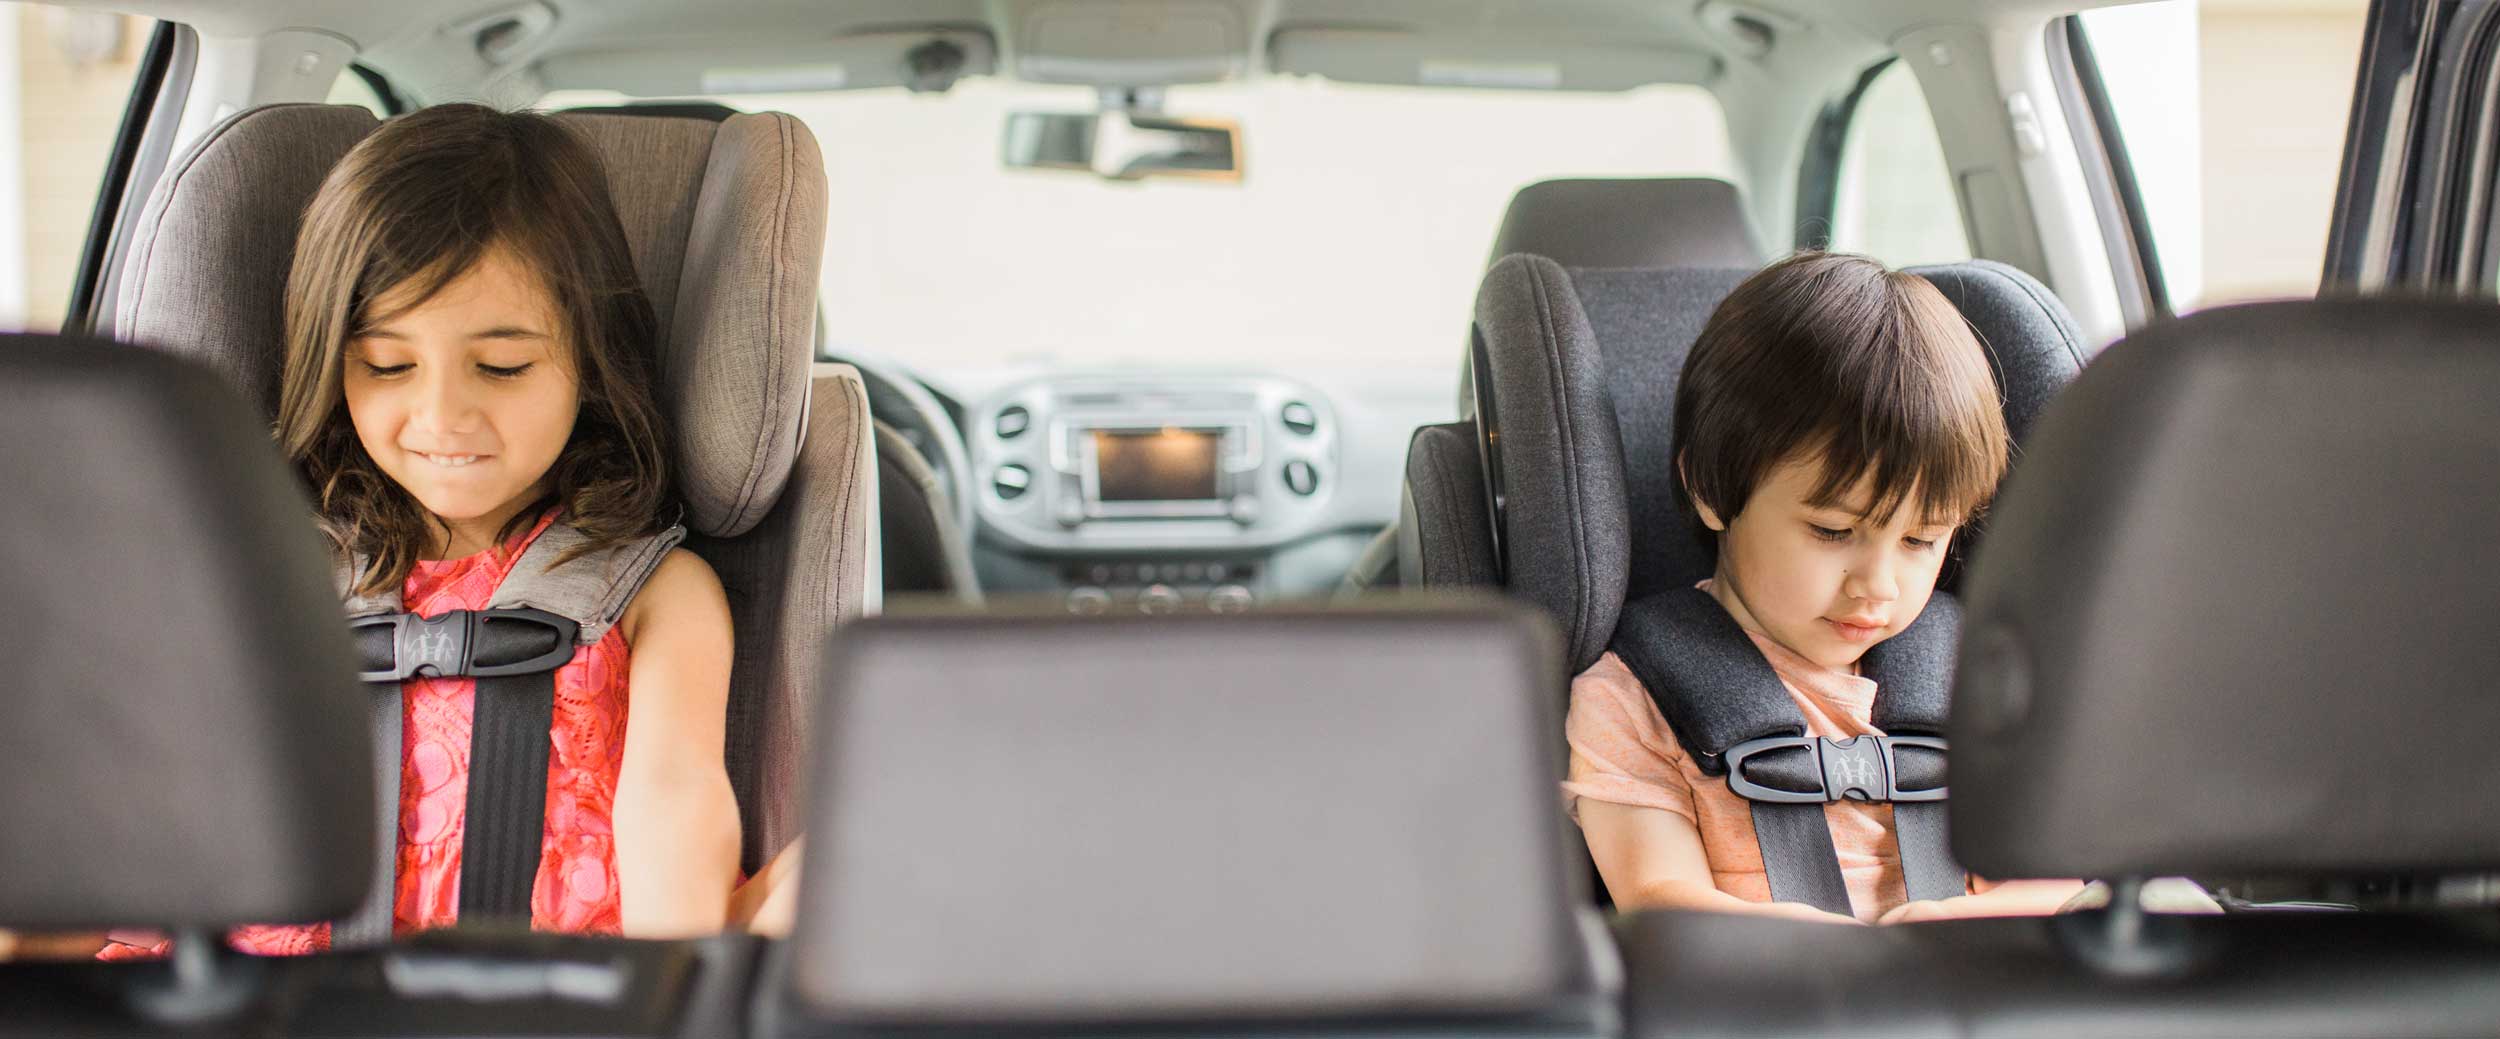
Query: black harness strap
x=1732 y=713
x=513 y=655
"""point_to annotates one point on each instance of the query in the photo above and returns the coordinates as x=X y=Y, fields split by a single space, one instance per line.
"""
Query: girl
x=1835 y=425
x=469 y=364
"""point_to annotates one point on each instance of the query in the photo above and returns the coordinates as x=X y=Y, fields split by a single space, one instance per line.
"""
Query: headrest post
x=205 y=982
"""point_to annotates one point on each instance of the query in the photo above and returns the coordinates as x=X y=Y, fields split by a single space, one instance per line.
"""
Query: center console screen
x=1137 y=465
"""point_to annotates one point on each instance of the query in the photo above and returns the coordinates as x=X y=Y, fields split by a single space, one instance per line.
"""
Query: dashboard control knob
x=1231 y=598
x=1301 y=477
x=1158 y=599
x=1300 y=418
x=1245 y=510
x=1071 y=512
x=1088 y=602
x=1011 y=481
x=1013 y=421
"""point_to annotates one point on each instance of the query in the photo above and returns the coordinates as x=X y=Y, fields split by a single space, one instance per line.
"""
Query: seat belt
x=539 y=617
x=1736 y=718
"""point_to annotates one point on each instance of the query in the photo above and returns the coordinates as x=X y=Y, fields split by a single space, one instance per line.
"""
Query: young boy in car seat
x=470 y=363
x=1835 y=425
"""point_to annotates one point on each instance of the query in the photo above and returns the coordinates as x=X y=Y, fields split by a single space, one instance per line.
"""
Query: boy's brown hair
x=1835 y=355
x=415 y=204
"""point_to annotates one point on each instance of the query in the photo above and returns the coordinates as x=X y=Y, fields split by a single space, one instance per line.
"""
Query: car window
x=1355 y=237
x=1894 y=195
x=65 y=77
x=353 y=89
x=2233 y=114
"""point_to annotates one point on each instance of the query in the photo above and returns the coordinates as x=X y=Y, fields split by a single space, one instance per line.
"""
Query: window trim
x=1827 y=142
x=2108 y=174
x=383 y=91
x=102 y=245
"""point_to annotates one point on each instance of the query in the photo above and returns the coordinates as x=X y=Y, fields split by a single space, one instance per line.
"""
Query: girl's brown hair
x=1835 y=354
x=412 y=207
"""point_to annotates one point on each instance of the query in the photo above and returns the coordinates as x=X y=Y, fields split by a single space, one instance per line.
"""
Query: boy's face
x=1824 y=581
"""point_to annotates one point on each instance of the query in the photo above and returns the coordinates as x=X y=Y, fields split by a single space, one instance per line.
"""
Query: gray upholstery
x=1445 y=530
x=181 y=749
x=923 y=551
x=1665 y=222
x=726 y=223
x=2213 y=976
x=1584 y=513
x=2234 y=612
x=1338 y=815
x=798 y=576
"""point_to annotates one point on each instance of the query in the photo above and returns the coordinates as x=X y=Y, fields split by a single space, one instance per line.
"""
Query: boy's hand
x=1913 y=912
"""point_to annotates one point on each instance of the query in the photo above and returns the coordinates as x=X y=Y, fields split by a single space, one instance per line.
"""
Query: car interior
x=1197 y=664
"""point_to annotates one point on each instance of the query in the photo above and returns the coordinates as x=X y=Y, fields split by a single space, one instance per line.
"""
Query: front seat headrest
x=1663 y=222
x=1584 y=367
x=725 y=220
x=181 y=748
x=2234 y=613
x=1337 y=815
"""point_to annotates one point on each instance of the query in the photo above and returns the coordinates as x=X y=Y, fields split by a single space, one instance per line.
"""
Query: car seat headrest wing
x=185 y=741
x=2233 y=614
x=725 y=220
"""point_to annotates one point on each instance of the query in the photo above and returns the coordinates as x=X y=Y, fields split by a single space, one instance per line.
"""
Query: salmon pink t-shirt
x=1623 y=752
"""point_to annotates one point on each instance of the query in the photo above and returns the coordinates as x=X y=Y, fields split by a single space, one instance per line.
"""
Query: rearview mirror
x=1124 y=145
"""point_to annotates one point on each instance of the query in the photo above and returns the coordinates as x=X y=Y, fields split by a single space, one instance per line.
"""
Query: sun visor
x=1405 y=58
x=930 y=59
x=1132 y=43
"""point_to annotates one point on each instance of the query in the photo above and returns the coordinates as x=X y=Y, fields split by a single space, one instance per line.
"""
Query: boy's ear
x=1709 y=516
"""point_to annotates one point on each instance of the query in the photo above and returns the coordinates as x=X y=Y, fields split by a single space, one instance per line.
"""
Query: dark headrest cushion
x=1198 y=819
x=182 y=733
x=1683 y=222
x=725 y=219
x=2235 y=610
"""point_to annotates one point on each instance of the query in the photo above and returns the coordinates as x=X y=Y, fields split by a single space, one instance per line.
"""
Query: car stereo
x=1160 y=472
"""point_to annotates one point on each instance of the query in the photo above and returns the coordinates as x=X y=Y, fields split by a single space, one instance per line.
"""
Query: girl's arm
x=676 y=819
x=1652 y=859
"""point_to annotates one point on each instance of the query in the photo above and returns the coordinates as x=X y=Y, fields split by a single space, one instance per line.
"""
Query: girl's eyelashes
x=384 y=371
x=1919 y=544
x=514 y=372
x=1828 y=533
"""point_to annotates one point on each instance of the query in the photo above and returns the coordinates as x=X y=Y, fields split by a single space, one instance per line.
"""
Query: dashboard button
x=1088 y=602
x=1231 y=598
x=1300 y=418
x=1301 y=477
x=1245 y=510
x=1013 y=421
x=1158 y=599
x=1011 y=481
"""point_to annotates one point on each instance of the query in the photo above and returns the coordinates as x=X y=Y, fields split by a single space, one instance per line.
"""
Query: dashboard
x=1162 y=493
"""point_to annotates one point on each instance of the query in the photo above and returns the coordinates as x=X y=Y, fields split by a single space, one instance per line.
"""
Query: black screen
x=1155 y=464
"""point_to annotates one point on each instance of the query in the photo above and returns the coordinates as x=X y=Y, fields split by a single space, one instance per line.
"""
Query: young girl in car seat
x=1835 y=425
x=469 y=364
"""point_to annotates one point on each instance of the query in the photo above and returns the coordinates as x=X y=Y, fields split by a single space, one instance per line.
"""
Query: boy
x=1835 y=424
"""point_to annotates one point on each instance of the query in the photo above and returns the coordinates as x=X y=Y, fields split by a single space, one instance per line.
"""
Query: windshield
x=1354 y=238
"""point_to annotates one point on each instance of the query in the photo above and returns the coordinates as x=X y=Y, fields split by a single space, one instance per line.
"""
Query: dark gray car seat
x=2232 y=617
x=1584 y=364
x=726 y=223
x=1657 y=222
x=1340 y=823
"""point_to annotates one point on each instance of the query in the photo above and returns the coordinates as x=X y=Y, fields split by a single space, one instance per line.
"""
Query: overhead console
x=1193 y=475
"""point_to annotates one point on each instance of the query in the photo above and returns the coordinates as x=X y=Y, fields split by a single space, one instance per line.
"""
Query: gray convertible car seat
x=1660 y=222
x=726 y=223
x=1012 y=836
x=2232 y=618
x=1580 y=513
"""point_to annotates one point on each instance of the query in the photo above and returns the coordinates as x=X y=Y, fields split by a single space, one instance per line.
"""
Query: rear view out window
x=65 y=76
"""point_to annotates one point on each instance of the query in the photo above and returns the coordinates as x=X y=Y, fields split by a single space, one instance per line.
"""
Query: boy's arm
x=1652 y=859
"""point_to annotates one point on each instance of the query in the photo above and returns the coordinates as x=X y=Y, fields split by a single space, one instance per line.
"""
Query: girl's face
x=466 y=399
x=1825 y=582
